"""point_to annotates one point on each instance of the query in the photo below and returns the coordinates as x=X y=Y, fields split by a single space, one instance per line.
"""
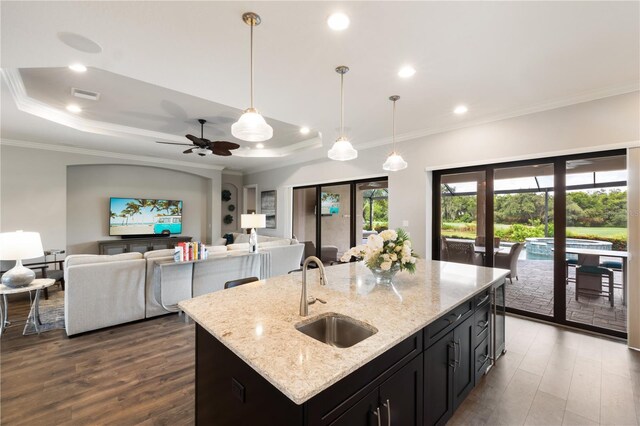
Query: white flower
x=413 y=260
x=398 y=249
x=375 y=242
x=385 y=266
x=394 y=257
x=389 y=235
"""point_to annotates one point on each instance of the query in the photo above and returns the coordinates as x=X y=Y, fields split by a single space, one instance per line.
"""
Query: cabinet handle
x=377 y=414
x=483 y=324
x=457 y=318
x=387 y=405
x=452 y=364
x=484 y=300
x=483 y=359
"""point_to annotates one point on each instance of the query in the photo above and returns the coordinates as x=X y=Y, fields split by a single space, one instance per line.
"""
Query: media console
x=140 y=245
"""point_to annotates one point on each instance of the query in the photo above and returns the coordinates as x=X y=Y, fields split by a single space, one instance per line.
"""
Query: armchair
x=509 y=260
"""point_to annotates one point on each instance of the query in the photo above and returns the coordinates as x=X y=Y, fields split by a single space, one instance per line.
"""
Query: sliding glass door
x=331 y=218
x=557 y=224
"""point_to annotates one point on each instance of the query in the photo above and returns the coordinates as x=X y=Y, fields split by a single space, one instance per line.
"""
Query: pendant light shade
x=251 y=126
x=394 y=161
x=342 y=150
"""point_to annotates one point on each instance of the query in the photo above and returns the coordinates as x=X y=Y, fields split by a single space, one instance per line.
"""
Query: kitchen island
x=432 y=340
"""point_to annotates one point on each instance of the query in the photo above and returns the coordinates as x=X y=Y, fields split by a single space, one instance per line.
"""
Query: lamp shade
x=20 y=245
x=394 y=163
x=250 y=221
x=342 y=150
x=252 y=127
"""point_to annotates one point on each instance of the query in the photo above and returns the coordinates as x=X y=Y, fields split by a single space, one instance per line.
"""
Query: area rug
x=51 y=314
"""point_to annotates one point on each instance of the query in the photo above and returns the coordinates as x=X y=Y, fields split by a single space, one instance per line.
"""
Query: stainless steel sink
x=336 y=330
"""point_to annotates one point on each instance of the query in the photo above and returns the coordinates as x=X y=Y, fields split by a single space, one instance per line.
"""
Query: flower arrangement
x=388 y=251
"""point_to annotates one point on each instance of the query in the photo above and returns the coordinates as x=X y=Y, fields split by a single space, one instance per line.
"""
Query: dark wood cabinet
x=401 y=396
x=140 y=245
x=463 y=370
x=363 y=413
x=438 y=379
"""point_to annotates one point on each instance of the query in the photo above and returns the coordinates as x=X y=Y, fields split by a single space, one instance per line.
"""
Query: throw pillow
x=229 y=238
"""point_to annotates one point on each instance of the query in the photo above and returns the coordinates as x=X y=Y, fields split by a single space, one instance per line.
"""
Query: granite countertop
x=257 y=321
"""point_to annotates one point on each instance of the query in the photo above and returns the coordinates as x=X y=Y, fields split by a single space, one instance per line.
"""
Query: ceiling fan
x=202 y=146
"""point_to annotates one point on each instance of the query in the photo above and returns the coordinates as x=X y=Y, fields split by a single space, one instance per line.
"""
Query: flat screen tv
x=143 y=216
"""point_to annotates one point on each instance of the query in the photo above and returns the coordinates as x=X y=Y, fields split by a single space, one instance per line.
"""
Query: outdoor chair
x=509 y=260
x=616 y=266
x=462 y=252
x=591 y=287
x=570 y=263
x=444 y=253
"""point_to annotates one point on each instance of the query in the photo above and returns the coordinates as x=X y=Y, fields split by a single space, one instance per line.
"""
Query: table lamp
x=253 y=221
x=17 y=246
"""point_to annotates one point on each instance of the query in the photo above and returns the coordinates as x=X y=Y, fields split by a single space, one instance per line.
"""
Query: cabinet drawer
x=482 y=299
x=481 y=358
x=447 y=322
x=482 y=317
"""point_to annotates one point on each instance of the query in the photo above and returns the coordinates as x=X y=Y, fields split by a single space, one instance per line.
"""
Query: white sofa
x=101 y=291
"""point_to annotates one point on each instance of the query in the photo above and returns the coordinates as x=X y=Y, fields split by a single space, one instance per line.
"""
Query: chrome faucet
x=304 y=302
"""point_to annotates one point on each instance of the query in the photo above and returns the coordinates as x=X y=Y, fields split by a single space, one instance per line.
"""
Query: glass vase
x=385 y=277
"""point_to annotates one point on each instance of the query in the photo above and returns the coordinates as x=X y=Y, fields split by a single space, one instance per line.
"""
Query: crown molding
x=32 y=106
x=107 y=154
x=232 y=172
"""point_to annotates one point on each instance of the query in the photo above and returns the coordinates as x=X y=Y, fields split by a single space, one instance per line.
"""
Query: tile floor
x=556 y=376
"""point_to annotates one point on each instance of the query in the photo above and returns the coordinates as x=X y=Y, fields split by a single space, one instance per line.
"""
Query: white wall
x=607 y=123
x=33 y=190
x=633 y=277
x=89 y=188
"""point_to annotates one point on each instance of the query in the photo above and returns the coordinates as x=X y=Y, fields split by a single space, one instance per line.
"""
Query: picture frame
x=268 y=207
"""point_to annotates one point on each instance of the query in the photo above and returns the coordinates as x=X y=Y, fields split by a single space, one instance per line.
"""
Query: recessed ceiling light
x=77 y=68
x=259 y=146
x=338 y=21
x=304 y=130
x=460 y=109
x=406 y=71
x=74 y=108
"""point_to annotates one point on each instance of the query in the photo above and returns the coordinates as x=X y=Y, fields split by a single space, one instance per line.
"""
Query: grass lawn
x=461 y=230
x=599 y=232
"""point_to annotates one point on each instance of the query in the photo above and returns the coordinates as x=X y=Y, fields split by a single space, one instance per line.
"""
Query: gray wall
x=89 y=188
x=607 y=123
x=33 y=189
x=234 y=184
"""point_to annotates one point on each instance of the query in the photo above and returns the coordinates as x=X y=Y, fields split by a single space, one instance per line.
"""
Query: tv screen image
x=330 y=204
x=143 y=216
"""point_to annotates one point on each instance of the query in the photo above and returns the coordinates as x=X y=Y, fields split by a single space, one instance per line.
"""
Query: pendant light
x=342 y=150
x=251 y=126
x=394 y=161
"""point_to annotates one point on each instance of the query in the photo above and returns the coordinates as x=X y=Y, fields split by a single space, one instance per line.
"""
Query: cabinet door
x=364 y=413
x=113 y=249
x=438 y=378
x=401 y=396
x=464 y=371
x=140 y=247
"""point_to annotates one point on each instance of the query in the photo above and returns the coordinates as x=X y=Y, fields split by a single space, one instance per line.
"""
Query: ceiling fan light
x=201 y=151
x=252 y=127
x=394 y=163
x=342 y=150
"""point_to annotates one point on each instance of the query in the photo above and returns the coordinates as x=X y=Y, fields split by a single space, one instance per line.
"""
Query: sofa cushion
x=241 y=246
x=241 y=238
x=83 y=259
x=158 y=253
x=217 y=249
x=219 y=242
x=275 y=243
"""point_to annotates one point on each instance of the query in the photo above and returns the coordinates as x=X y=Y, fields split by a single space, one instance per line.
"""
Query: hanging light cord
x=342 y=105
x=251 y=61
x=394 y=127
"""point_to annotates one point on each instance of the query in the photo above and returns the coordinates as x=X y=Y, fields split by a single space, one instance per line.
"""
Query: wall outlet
x=405 y=223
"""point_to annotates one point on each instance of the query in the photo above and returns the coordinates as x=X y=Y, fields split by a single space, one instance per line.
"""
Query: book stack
x=194 y=250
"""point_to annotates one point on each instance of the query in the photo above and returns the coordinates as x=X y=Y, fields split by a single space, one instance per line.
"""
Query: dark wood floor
x=141 y=373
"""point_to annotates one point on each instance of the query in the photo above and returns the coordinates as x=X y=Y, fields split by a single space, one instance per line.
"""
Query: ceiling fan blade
x=221 y=152
x=188 y=151
x=175 y=143
x=196 y=141
x=224 y=145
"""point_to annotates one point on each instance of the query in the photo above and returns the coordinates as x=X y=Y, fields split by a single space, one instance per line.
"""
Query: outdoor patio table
x=592 y=257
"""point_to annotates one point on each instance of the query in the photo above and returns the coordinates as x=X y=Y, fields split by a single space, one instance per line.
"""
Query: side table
x=36 y=285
